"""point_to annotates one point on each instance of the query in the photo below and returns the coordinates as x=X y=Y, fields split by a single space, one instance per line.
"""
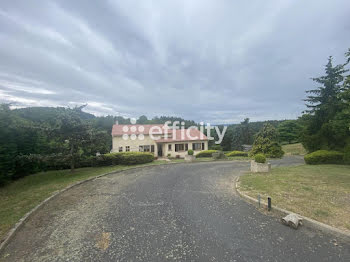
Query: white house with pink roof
x=159 y=139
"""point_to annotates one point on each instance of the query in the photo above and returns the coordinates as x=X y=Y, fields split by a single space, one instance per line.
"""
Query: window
x=152 y=148
x=196 y=146
x=179 y=147
x=127 y=148
x=186 y=147
x=146 y=148
x=202 y=146
x=169 y=147
x=120 y=149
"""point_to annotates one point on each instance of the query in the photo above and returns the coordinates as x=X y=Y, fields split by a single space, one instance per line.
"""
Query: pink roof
x=119 y=130
x=184 y=135
x=159 y=129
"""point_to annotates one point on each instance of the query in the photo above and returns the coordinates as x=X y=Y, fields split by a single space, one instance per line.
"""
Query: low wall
x=259 y=167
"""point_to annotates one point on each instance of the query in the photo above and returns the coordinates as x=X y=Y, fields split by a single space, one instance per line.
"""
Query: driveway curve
x=183 y=212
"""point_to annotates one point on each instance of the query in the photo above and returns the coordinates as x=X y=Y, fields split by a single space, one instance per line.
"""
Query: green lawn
x=19 y=197
x=321 y=192
x=294 y=149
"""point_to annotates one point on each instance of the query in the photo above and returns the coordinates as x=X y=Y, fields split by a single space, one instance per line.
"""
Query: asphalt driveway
x=183 y=212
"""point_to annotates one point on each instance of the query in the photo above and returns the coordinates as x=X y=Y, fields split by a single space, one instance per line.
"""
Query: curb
x=307 y=222
x=20 y=223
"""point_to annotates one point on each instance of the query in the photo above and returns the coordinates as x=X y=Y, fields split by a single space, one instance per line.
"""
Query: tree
x=325 y=99
x=266 y=142
x=242 y=134
x=289 y=131
x=142 y=120
x=74 y=132
x=324 y=121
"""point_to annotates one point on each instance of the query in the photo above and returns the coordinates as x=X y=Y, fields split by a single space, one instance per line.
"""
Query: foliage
x=215 y=147
x=123 y=158
x=242 y=134
x=219 y=155
x=326 y=123
x=237 y=153
x=34 y=163
x=206 y=153
x=190 y=152
x=346 y=158
x=289 y=131
x=266 y=142
x=324 y=157
x=260 y=158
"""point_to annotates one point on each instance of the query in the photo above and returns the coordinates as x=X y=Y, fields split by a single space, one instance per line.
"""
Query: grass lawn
x=321 y=192
x=294 y=149
x=19 y=197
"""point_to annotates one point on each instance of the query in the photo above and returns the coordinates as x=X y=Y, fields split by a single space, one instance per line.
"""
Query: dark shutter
x=202 y=146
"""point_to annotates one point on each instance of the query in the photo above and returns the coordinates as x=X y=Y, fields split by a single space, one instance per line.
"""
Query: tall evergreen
x=324 y=126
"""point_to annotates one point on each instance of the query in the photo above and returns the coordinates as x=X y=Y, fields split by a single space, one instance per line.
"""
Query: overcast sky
x=217 y=61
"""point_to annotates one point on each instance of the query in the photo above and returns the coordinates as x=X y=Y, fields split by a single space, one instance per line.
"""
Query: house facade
x=160 y=140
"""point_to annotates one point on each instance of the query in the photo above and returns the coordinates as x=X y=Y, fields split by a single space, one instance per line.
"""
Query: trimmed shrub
x=123 y=158
x=134 y=158
x=324 y=157
x=219 y=155
x=190 y=152
x=237 y=153
x=206 y=153
x=260 y=158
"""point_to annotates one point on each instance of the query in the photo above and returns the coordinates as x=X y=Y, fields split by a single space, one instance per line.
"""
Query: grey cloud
x=216 y=61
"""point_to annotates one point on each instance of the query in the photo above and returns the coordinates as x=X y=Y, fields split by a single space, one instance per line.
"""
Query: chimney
x=116 y=122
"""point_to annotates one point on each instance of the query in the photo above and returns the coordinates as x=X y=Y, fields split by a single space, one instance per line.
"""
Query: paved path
x=184 y=212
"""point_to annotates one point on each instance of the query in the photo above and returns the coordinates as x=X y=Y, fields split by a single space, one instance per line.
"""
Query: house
x=162 y=140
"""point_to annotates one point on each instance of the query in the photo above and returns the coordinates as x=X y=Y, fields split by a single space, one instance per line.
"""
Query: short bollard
x=259 y=198
x=269 y=203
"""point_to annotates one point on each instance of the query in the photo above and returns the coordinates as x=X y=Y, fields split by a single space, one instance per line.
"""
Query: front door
x=160 y=149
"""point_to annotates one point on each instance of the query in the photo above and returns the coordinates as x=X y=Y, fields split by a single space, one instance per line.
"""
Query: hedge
x=237 y=153
x=34 y=163
x=346 y=157
x=219 y=155
x=324 y=157
x=123 y=158
x=206 y=153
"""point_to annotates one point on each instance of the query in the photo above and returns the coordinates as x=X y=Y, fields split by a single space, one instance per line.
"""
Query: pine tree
x=325 y=99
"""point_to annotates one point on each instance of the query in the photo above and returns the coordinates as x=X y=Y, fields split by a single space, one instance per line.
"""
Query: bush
x=190 y=152
x=260 y=158
x=134 y=158
x=266 y=143
x=324 y=157
x=346 y=157
x=219 y=155
x=123 y=158
x=206 y=153
x=216 y=147
x=237 y=153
